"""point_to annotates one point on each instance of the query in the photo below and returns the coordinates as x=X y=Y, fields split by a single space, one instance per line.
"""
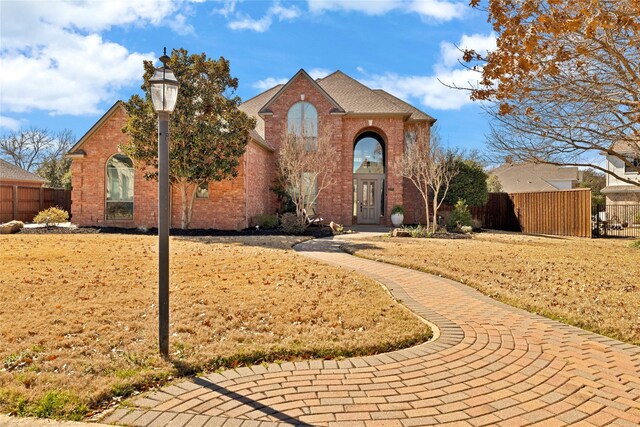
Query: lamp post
x=164 y=93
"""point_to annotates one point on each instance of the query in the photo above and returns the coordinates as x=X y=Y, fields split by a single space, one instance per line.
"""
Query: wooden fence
x=23 y=203
x=562 y=212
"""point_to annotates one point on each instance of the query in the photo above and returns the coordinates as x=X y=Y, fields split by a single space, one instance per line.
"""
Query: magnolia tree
x=208 y=133
x=306 y=168
x=563 y=82
x=430 y=167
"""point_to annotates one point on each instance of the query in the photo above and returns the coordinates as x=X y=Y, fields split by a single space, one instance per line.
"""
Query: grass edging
x=594 y=328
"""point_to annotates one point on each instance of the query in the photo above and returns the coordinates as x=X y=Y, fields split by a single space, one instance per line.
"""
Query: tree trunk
x=187 y=196
x=426 y=211
x=435 y=212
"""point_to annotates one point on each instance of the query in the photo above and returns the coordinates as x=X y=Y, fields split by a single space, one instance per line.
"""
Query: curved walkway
x=490 y=365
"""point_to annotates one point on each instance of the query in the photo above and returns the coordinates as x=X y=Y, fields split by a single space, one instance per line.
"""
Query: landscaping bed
x=79 y=314
x=252 y=231
x=592 y=284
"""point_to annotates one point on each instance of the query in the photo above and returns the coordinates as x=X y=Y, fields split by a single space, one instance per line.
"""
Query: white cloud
x=9 y=123
x=229 y=6
x=245 y=22
x=318 y=73
x=429 y=89
x=179 y=25
x=371 y=7
x=441 y=10
x=269 y=82
x=55 y=59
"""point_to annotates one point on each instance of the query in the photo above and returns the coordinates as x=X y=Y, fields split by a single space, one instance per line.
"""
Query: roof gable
x=301 y=74
x=76 y=149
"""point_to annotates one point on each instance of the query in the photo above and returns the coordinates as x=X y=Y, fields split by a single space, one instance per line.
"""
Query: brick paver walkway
x=490 y=365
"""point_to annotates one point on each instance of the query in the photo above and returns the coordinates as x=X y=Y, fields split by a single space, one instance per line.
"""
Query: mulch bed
x=311 y=231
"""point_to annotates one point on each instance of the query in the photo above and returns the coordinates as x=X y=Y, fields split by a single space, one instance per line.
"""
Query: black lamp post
x=164 y=93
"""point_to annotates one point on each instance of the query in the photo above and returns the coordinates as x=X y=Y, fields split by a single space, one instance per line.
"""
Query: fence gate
x=616 y=221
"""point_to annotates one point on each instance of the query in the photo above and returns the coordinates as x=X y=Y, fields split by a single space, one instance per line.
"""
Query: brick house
x=368 y=130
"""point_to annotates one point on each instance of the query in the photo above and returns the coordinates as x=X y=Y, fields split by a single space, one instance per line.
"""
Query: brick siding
x=232 y=203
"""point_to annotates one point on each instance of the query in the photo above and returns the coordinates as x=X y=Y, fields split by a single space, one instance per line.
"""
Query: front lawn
x=79 y=314
x=592 y=284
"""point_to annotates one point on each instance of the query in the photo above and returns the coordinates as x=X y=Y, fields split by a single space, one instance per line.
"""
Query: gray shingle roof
x=10 y=172
x=253 y=105
x=351 y=95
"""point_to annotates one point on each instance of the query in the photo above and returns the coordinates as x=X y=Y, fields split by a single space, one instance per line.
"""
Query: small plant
x=397 y=209
x=417 y=231
x=291 y=224
x=635 y=244
x=636 y=219
x=265 y=221
x=460 y=216
x=53 y=215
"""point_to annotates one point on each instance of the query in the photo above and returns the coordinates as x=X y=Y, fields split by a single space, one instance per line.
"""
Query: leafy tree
x=208 y=133
x=596 y=181
x=57 y=172
x=564 y=80
x=493 y=184
x=40 y=151
x=430 y=168
x=469 y=184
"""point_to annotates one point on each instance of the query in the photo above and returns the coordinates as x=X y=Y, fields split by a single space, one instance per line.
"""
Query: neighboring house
x=619 y=192
x=11 y=174
x=368 y=129
x=532 y=177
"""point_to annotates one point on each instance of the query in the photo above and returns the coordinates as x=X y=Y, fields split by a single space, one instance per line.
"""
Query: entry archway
x=369 y=173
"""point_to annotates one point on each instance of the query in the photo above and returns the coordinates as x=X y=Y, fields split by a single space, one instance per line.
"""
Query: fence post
x=598 y=221
x=15 y=202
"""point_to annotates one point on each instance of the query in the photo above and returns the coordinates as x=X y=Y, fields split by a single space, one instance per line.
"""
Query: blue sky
x=65 y=63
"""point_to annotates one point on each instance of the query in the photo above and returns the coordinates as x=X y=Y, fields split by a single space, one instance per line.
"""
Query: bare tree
x=430 y=168
x=28 y=148
x=564 y=80
x=40 y=151
x=307 y=167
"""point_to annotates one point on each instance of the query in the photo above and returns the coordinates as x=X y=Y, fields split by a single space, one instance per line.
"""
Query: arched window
x=119 y=183
x=302 y=121
x=368 y=155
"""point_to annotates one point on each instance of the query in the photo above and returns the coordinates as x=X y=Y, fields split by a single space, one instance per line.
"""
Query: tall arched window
x=119 y=183
x=302 y=121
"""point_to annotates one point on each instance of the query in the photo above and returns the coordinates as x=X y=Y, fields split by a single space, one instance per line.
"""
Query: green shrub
x=264 y=221
x=397 y=209
x=460 y=216
x=53 y=215
x=635 y=244
x=291 y=224
x=417 y=231
x=636 y=219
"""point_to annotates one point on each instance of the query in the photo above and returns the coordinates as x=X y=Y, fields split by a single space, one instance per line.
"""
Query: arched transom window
x=368 y=156
x=302 y=121
x=119 y=183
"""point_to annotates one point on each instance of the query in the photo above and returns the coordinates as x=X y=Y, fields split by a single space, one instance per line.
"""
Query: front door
x=368 y=202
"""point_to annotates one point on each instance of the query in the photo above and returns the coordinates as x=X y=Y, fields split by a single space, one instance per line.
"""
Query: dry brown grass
x=79 y=314
x=593 y=284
